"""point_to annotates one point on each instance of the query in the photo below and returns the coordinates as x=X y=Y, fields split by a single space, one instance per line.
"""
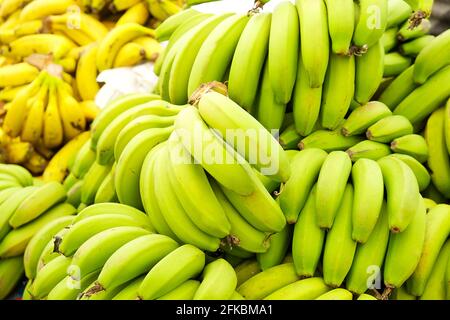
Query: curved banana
x=92 y=181
x=279 y=245
x=166 y=29
x=368 y=150
x=72 y=116
x=11 y=272
x=129 y=55
x=56 y=45
x=413 y=145
x=86 y=74
x=137 y=13
x=398 y=12
x=389 y=128
x=185 y=291
x=395 y=64
x=218 y=281
x=372 y=22
x=53 y=132
x=130 y=292
x=40 y=9
x=341 y=24
x=336 y=294
x=307 y=289
x=415 y=47
x=106 y=191
x=69 y=288
x=20 y=173
x=399 y=89
x=17 y=74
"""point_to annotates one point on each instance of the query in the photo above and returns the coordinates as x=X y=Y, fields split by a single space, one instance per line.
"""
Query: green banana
x=406 y=33
x=21 y=174
x=83 y=160
x=185 y=291
x=395 y=64
x=415 y=47
x=413 y=145
x=74 y=194
x=402 y=294
x=399 y=89
x=106 y=191
x=69 y=288
x=307 y=289
x=289 y=138
x=166 y=29
x=246 y=270
x=329 y=141
x=218 y=281
x=389 y=39
x=69 y=182
x=92 y=181
x=308 y=240
x=130 y=292
x=6 y=194
x=11 y=272
x=366 y=297
x=447 y=125
x=91 y=292
x=372 y=22
x=422 y=175
x=279 y=245
x=436 y=286
x=362 y=118
x=368 y=150
x=336 y=294
x=390 y=128
x=50 y=250
x=398 y=12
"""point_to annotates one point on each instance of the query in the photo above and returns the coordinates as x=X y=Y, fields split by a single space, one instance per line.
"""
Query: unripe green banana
x=246 y=270
x=305 y=168
x=132 y=260
x=50 y=250
x=398 y=12
x=308 y=239
x=331 y=185
x=406 y=33
x=421 y=173
x=369 y=257
x=130 y=292
x=19 y=173
x=218 y=281
x=336 y=294
x=307 y=289
x=390 y=128
x=180 y=265
x=433 y=58
x=415 y=47
x=366 y=297
x=249 y=54
x=69 y=182
x=399 y=89
x=369 y=73
x=340 y=248
x=92 y=181
x=83 y=160
x=436 y=286
x=401 y=294
x=106 y=192
x=74 y=194
x=362 y=118
x=389 y=39
x=429 y=204
x=265 y=283
x=185 y=291
x=69 y=288
x=49 y=276
x=329 y=141
x=368 y=198
x=315 y=44
x=289 y=138
x=283 y=51
x=438 y=161
x=413 y=145
x=306 y=102
x=437 y=231
x=338 y=90
x=91 y=293
x=368 y=150
x=447 y=125
x=395 y=64
x=341 y=24
x=372 y=22
x=11 y=272
x=279 y=245
x=427 y=98
x=404 y=250
x=165 y=30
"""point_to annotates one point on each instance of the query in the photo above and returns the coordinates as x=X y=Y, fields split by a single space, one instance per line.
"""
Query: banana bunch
x=110 y=252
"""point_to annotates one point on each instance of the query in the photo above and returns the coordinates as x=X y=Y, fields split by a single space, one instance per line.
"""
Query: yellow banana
x=33 y=125
x=136 y=14
x=17 y=74
x=71 y=114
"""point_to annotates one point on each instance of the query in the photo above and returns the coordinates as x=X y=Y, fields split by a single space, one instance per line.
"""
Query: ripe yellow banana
x=17 y=74
x=71 y=114
x=136 y=14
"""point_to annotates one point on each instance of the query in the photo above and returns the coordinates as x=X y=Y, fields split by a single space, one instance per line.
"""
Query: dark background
x=441 y=16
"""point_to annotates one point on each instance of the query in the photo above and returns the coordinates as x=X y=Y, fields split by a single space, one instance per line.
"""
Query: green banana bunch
x=166 y=29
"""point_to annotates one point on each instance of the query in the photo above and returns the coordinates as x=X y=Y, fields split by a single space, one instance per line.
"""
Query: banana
x=279 y=245
x=187 y=51
x=246 y=270
x=413 y=145
x=161 y=10
x=414 y=48
x=86 y=74
x=116 y=39
x=398 y=12
x=134 y=259
x=19 y=173
x=83 y=160
x=129 y=55
x=216 y=52
x=307 y=289
x=130 y=292
x=369 y=257
x=92 y=181
x=447 y=125
x=336 y=294
x=166 y=29
x=340 y=248
x=185 y=291
x=69 y=288
x=90 y=110
x=421 y=173
x=136 y=14
x=72 y=116
x=437 y=231
x=11 y=272
x=53 y=134
x=338 y=90
x=329 y=141
x=436 y=287
x=438 y=161
x=331 y=185
x=242 y=234
x=308 y=239
x=341 y=24
x=368 y=150
x=193 y=189
x=402 y=86
x=369 y=73
x=9 y=207
x=49 y=276
x=250 y=54
x=106 y=143
x=91 y=292
x=389 y=39
x=306 y=102
x=9 y=7
x=172 y=210
x=395 y=64
x=85 y=229
x=92 y=254
x=56 y=45
x=368 y=198
x=7 y=193
x=16 y=241
x=305 y=168
x=50 y=250
x=372 y=22
x=40 y=9
x=289 y=138
x=152 y=49
x=315 y=46
x=431 y=59
x=39 y=241
x=37 y=204
x=222 y=114
x=283 y=51
x=75 y=35
x=106 y=191
x=17 y=74
x=366 y=297
x=402 y=294
x=404 y=250
x=129 y=165
x=192 y=131
x=218 y=283
x=389 y=128
x=433 y=194
x=265 y=283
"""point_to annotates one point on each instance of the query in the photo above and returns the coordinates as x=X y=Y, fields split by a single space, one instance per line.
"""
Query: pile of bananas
x=26 y=207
